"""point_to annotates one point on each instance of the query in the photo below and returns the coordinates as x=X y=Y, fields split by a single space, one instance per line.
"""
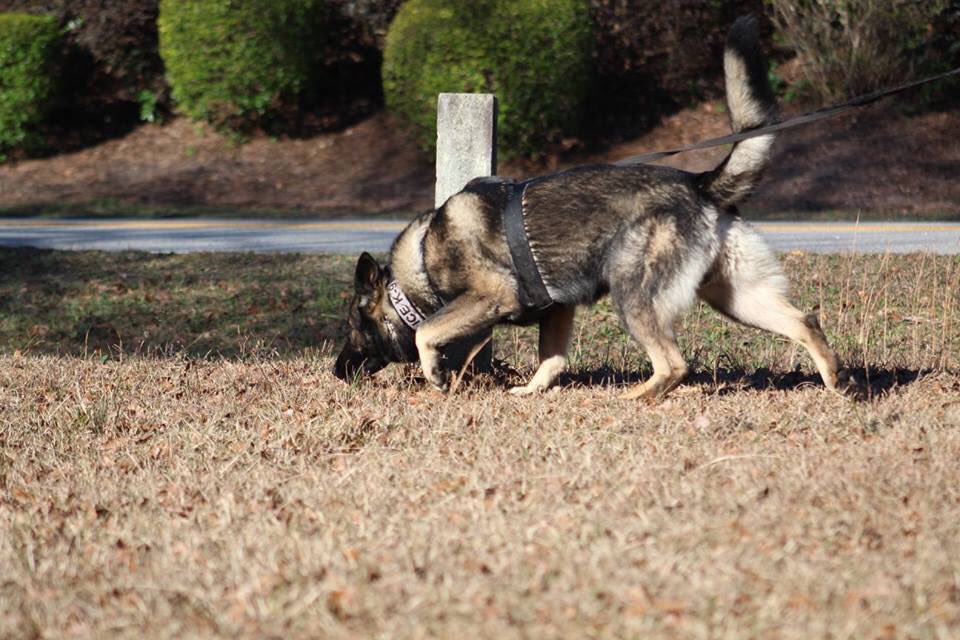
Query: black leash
x=780 y=125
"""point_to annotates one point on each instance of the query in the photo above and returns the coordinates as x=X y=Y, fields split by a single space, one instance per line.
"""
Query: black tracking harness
x=533 y=293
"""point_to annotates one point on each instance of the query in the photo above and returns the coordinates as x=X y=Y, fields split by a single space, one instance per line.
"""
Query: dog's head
x=377 y=334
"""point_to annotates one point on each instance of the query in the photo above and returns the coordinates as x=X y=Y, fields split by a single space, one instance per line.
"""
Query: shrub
x=855 y=46
x=533 y=54
x=112 y=46
x=115 y=66
x=372 y=16
x=239 y=64
x=349 y=84
x=121 y=38
x=28 y=53
x=656 y=56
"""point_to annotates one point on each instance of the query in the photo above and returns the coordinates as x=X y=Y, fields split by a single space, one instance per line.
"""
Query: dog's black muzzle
x=352 y=364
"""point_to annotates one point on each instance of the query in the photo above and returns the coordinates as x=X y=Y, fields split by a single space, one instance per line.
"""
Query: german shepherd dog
x=653 y=238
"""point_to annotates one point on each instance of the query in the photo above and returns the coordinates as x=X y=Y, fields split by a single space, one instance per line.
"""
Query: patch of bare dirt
x=370 y=167
x=878 y=160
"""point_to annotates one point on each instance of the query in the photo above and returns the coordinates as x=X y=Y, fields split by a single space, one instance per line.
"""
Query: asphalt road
x=354 y=236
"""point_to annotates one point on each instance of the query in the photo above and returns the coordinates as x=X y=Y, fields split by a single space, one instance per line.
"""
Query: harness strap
x=533 y=293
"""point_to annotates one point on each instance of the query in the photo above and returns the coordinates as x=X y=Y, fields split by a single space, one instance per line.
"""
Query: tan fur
x=748 y=285
x=663 y=239
x=555 y=330
x=744 y=109
x=464 y=316
x=669 y=368
x=408 y=264
x=461 y=211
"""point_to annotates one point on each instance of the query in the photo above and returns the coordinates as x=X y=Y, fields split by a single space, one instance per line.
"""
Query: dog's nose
x=344 y=368
x=348 y=365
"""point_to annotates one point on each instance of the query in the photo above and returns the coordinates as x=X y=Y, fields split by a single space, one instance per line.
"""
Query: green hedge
x=29 y=48
x=238 y=63
x=533 y=54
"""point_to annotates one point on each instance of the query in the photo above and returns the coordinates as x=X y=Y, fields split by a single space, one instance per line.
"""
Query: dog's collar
x=408 y=312
x=533 y=292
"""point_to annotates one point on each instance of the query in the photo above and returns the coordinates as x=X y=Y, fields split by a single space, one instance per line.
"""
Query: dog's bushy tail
x=751 y=104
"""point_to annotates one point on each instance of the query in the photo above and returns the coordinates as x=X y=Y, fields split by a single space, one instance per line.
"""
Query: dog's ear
x=366 y=279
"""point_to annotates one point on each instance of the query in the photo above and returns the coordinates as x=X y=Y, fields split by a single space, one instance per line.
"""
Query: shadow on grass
x=872 y=383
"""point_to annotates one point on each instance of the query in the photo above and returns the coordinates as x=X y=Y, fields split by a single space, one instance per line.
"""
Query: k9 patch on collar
x=407 y=311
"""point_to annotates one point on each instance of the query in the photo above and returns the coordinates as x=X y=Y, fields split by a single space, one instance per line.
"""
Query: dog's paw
x=439 y=378
x=850 y=387
x=525 y=390
x=533 y=389
x=433 y=370
x=653 y=389
x=649 y=396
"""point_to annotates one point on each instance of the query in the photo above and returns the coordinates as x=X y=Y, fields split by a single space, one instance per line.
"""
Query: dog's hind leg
x=653 y=279
x=669 y=367
x=555 y=329
x=650 y=316
x=747 y=284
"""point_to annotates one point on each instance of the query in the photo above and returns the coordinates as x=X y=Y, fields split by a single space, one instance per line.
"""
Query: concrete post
x=466 y=149
x=466 y=141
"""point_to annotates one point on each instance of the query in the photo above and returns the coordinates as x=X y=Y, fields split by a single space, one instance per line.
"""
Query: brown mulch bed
x=371 y=167
x=878 y=160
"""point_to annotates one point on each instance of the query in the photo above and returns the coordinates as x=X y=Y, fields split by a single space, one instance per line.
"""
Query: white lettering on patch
x=407 y=311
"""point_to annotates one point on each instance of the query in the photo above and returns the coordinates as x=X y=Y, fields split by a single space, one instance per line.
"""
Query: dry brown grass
x=258 y=497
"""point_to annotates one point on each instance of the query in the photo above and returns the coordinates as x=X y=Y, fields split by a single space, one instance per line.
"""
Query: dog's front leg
x=465 y=316
x=555 y=329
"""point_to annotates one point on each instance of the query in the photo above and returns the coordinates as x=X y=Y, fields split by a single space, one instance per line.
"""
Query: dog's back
x=580 y=221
